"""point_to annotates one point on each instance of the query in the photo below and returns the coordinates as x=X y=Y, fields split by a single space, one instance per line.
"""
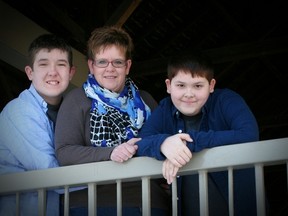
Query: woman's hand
x=125 y=151
x=176 y=150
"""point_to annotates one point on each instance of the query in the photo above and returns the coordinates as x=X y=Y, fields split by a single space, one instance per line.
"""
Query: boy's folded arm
x=150 y=146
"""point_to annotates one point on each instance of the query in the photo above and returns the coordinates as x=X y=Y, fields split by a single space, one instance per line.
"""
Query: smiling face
x=189 y=94
x=50 y=74
x=110 y=77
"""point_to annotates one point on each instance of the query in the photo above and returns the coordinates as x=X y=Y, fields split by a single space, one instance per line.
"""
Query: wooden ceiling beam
x=123 y=12
x=218 y=55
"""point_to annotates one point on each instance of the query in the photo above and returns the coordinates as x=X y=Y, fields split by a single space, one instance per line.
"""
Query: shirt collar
x=38 y=97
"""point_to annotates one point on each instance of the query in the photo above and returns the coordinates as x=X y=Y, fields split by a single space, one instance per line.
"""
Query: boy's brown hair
x=49 y=42
x=195 y=64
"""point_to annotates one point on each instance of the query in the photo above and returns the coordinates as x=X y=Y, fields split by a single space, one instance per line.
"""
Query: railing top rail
x=237 y=156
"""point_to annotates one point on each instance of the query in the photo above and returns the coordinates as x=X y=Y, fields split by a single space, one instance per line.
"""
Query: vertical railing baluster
x=203 y=193
x=174 y=198
x=287 y=174
x=231 y=191
x=66 y=201
x=260 y=189
x=92 y=199
x=146 y=197
x=42 y=202
x=119 y=198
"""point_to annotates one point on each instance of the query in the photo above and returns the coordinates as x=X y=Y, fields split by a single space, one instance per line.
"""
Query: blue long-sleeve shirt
x=226 y=119
x=26 y=143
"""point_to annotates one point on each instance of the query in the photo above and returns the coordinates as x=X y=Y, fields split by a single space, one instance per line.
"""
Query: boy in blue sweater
x=197 y=116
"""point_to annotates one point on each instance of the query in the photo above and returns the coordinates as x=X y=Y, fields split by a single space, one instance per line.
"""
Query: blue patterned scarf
x=114 y=117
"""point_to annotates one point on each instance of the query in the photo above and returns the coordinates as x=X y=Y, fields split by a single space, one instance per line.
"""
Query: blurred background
x=247 y=41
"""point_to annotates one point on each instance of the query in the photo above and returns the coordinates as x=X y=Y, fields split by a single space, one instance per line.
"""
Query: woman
x=108 y=110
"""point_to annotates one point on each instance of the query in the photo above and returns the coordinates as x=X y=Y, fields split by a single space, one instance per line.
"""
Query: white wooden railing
x=257 y=154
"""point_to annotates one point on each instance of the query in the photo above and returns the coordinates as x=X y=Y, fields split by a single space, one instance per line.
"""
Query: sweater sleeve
x=154 y=132
x=72 y=133
x=230 y=121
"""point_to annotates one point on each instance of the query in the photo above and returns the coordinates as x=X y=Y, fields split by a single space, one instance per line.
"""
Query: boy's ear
x=29 y=72
x=168 y=85
x=72 y=72
x=212 y=85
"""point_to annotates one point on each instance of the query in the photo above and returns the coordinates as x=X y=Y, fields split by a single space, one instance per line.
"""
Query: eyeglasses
x=102 y=63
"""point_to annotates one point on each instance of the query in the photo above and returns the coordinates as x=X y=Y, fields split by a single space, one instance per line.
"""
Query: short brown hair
x=49 y=42
x=106 y=36
x=196 y=65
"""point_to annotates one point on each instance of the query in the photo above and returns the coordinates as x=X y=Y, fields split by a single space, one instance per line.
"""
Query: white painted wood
x=146 y=196
x=119 y=197
x=203 y=193
x=260 y=189
x=66 y=201
x=92 y=199
x=230 y=191
x=174 y=198
x=41 y=202
x=264 y=153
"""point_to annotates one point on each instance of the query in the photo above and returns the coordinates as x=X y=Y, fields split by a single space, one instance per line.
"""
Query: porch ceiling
x=247 y=41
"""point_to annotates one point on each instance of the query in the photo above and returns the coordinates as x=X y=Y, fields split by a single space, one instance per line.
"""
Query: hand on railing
x=124 y=151
x=176 y=150
x=169 y=171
